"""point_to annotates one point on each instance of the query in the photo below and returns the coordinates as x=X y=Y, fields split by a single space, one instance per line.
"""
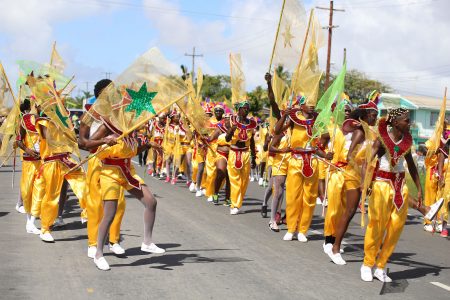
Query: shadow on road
x=3 y=213
x=169 y=261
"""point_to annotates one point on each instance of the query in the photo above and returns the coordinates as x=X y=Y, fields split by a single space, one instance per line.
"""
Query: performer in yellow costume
x=352 y=181
x=55 y=152
x=279 y=151
x=117 y=173
x=94 y=203
x=221 y=150
x=388 y=204
x=31 y=188
x=242 y=154
x=211 y=155
x=155 y=158
x=302 y=176
x=340 y=143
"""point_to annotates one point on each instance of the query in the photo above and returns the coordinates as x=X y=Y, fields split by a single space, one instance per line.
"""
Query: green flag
x=332 y=94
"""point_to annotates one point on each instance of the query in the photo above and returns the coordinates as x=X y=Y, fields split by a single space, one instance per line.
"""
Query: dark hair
x=25 y=105
x=358 y=113
x=99 y=86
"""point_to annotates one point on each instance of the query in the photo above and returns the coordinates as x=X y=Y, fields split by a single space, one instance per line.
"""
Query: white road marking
x=135 y=162
x=441 y=285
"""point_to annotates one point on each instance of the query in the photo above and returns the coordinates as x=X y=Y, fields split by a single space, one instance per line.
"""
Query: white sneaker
x=210 y=199
x=434 y=209
x=192 y=188
x=234 y=211
x=102 y=264
x=46 y=237
x=252 y=179
x=325 y=203
x=116 y=249
x=289 y=236
x=366 y=273
x=261 y=181
x=91 y=251
x=20 y=209
x=302 y=238
x=198 y=193
x=152 y=248
x=318 y=201
x=203 y=192
x=336 y=258
x=428 y=228
x=381 y=275
x=59 y=222
x=31 y=228
x=439 y=228
x=327 y=248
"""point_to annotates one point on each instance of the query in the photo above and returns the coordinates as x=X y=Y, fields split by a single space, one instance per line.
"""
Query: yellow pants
x=385 y=224
x=336 y=202
x=210 y=170
x=37 y=197
x=239 y=178
x=94 y=205
x=53 y=178
x=31 y=190
x=431 y=188
x=301 y=194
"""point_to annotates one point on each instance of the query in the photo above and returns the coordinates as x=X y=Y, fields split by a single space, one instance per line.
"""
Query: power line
x=168 y=10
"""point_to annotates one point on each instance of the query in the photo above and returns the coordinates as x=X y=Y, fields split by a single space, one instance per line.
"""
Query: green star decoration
x=141 y=100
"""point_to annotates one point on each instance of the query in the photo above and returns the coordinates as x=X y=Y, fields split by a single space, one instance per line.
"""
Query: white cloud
x=27 y=28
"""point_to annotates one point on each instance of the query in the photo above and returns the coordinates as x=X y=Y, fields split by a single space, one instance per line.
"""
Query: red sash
x=238 y=162
x=307 y=169
x=397 y=181
x=223 y=154
x=124 y=165
x=63 y=158
x=28 y=123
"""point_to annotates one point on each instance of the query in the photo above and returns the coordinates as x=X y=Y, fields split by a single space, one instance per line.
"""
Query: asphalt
x=210 y=255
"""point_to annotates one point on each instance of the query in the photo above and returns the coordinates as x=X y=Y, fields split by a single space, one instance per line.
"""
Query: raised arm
x=275 y=109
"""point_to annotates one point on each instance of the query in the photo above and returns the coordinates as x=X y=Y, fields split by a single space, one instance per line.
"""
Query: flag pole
x=276 y=35
x=124 y=134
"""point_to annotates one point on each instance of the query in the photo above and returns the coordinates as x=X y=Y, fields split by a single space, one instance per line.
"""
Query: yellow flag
x=6 y=95
x=290 y=35
x=279 y=90
x=56 y=60
x=307 y=75
x=237 y=77
x=433 y=143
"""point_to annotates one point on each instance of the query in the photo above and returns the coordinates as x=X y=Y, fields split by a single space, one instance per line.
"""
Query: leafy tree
x=258 y=100
x=216 y=87
x=358 y=85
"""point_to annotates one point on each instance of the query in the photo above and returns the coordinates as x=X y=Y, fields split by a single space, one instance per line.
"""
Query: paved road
x=210 y=255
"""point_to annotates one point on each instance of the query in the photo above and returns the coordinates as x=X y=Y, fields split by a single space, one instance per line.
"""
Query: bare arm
x=282 y=124
x=275 y=109
x=253 y=152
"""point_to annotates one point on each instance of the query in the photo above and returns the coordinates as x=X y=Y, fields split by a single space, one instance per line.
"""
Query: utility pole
x=107 y=75
x=193 y=55
x=87 y=86
x=330 y=35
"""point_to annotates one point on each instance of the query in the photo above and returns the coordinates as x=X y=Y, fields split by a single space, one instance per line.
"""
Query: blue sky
x=400 y=42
